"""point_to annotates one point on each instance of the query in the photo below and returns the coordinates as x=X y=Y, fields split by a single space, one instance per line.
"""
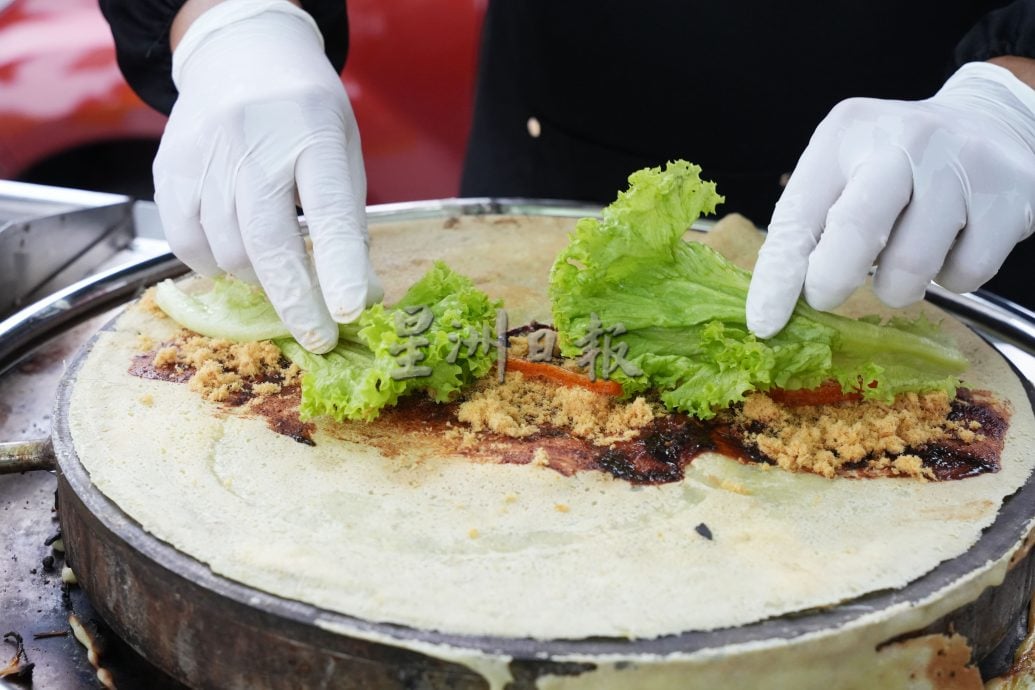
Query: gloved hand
x=261 y=116
x=939 y=189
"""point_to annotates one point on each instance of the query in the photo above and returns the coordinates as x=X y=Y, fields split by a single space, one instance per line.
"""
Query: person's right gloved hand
x=940 y=189
x=261 y=118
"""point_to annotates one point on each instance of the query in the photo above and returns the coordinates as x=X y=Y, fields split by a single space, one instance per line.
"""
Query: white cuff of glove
x=225 y=14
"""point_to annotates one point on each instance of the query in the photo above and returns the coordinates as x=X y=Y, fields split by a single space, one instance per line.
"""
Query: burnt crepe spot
x=281 y=413
x=279 y=409
x=665 y=447
x=704 y=531
x=418 y=413
x=954 y=459
x=143 y=366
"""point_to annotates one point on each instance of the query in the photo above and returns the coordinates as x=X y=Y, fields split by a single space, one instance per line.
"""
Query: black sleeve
x=141 y=32
x=1006 y=31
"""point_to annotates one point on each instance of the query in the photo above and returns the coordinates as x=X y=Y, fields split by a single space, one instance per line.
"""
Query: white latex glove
x=261 y=116
x=940 y=189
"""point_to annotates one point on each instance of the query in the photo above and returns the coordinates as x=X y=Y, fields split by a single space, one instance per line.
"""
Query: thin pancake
x=432 y=540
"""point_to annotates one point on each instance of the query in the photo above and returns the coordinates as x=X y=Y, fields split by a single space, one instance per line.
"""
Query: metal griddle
x=208 y=631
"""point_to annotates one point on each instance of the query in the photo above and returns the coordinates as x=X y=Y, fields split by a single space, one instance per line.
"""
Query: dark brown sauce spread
x=280 y=409
x=663 y=449
x=658 y=454
x=281 y=413
x=953 y=459
x=144 y=366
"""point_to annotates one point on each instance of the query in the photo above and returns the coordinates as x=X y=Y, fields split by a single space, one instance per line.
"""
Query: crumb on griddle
x=825 y=438
x=520 y=407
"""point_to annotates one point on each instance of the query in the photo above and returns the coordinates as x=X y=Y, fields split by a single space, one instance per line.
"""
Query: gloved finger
x=179 y=211
x=921 y=239
x=219 y=221
x=375 y=291
x=983 y=246
x=273 y=240
x=793 y=232
x=858 y=226
x=337 y=227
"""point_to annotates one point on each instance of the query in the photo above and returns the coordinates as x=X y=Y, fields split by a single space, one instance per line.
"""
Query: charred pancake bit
x=553 y=422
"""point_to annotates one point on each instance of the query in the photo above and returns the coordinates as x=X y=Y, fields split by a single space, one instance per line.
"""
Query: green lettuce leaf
x=368 y=369
x=231 y=309
x=681 y=307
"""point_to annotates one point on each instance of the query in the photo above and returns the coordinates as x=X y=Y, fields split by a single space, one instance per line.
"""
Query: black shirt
x=737 y=87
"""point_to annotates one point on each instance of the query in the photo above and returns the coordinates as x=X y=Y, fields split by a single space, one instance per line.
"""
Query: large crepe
x=419 y=536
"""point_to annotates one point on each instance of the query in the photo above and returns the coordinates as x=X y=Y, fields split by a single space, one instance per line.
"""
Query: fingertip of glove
x=764 y=319
x=347 y=314
x=822 y=301
x=349 y=300
x=897 y=288
x=320 y=340
x=763 y=327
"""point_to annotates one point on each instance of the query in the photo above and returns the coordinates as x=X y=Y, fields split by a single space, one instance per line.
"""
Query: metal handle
x=27 y=456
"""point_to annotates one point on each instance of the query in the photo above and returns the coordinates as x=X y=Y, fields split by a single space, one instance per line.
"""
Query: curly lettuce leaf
x=682 y=305
x=362 y=374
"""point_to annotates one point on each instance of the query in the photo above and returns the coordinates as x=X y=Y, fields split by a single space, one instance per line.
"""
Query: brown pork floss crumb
x=824 y=438
x=223 y=367
x=521 y=407
x=541 y=458
x=148 y=303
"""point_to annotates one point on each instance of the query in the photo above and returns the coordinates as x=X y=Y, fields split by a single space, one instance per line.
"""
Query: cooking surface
x=31 y=596
x=32 y=600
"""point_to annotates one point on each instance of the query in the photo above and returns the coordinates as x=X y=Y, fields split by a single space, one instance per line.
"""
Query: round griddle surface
x=207 y=629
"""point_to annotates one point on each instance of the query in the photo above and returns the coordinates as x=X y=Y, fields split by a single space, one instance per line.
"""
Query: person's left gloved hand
x=940 y=189
x=262 y=116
